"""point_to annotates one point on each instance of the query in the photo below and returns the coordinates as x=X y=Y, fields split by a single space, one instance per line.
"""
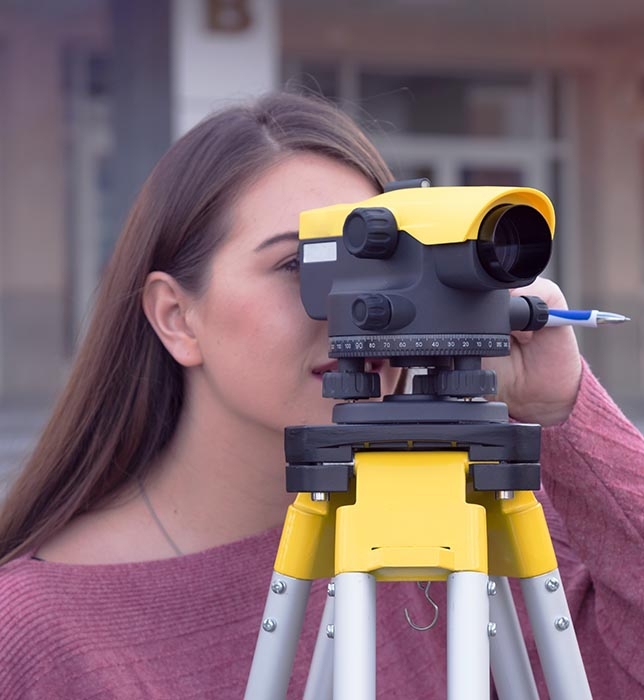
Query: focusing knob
x=528 y=313
x=461 y=383
x=538 y=313
x=350 y=385
x=371 y=312
x=371 y=232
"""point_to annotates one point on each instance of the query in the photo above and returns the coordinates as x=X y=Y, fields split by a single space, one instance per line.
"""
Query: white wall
x=209 y=67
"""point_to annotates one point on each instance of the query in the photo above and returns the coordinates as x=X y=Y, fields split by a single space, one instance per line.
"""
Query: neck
x=213 y=486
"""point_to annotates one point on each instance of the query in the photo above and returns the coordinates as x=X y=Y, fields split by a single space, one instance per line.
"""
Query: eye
x=292 y=265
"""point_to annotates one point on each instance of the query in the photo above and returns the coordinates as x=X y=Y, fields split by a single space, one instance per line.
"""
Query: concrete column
x=211 y=66
x=32 y=224
x=614 y=269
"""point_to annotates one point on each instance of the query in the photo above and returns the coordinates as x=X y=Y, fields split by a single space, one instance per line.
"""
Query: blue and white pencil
x=579 y=317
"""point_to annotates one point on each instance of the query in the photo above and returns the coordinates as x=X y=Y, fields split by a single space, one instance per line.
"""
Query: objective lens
x=514 y=243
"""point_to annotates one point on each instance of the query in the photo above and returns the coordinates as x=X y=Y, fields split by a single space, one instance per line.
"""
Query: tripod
x=436 y=485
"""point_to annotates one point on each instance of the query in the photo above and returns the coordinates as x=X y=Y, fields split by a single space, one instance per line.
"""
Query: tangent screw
x=278 y=587
x=562 y=623
x=330 y=631
x=491 y=587
x=491 y=629
x=269 y=624
x=330 y=589
x=552 y=584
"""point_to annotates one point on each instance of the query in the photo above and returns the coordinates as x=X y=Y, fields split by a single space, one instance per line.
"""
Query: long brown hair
x=125 y=393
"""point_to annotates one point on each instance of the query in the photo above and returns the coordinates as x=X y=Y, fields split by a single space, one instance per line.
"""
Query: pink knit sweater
x=186 y=627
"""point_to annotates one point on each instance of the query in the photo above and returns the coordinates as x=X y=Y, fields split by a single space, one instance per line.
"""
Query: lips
x=330 y=366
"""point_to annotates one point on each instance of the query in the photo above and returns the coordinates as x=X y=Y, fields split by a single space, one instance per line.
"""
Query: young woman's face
x=263 y=357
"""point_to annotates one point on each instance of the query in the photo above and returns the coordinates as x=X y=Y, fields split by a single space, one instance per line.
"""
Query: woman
x=139 y=541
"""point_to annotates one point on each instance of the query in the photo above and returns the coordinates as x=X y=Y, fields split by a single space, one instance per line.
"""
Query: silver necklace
x=157 y=520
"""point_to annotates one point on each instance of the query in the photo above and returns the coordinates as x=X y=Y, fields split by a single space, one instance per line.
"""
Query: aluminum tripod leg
x=319 y=685
x=511 y=670
x=520 y=547
x=354 y=657
x=278 y=638
x=555 y=637
x=468 y=649
x=305 y=554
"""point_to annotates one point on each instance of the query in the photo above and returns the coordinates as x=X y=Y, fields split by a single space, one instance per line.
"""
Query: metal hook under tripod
x=424 y=586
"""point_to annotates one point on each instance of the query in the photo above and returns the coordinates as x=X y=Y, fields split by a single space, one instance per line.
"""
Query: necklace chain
x=157 y=520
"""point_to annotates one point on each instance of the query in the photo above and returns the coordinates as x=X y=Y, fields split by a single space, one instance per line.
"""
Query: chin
x=317 y=417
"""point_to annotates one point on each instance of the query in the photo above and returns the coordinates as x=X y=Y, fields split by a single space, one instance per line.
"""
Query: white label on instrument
x=320 y=252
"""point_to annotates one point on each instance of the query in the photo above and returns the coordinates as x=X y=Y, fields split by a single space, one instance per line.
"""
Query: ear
x=166 y=305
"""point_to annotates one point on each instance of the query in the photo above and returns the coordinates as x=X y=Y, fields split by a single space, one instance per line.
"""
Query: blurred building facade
x=92 y=92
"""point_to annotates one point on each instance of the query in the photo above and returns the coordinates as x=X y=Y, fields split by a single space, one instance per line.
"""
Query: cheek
x=270 y=331
x=282 y=313
x=265 y=319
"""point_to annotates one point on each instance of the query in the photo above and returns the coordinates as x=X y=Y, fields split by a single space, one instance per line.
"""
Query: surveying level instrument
x=431 y=485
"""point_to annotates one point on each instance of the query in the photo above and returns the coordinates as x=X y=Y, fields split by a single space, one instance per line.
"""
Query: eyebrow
x=287 y=236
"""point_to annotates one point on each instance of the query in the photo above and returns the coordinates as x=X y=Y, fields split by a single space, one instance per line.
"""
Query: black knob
x=461 y=383
x=539 y=313
x=371 y=232
x=371 y=312
x=350 y=385
x=528 y=313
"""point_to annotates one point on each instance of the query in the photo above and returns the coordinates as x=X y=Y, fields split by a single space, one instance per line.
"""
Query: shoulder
x=22 y=587
x=66 y=629
x=114 y=532
x=63 y=624
x=29 y=598
x=29 y=633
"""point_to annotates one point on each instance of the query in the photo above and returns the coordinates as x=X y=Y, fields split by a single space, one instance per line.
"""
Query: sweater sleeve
x=593 y=472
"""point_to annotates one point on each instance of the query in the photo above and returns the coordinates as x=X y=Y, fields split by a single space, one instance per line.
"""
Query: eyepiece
x=514 y=243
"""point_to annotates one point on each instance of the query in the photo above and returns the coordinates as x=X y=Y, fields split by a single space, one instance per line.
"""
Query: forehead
x=273 y=202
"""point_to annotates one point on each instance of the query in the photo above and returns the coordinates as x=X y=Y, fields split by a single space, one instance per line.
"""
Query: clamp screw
x=552 y=584
x=330 y=631
x=562 y=623
x=491 y=629
x=278 y=587
x=491 y=587
x=269 y=624
x=330 y=590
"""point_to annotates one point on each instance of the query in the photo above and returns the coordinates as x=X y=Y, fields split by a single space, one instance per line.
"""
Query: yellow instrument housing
x=432 y=215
